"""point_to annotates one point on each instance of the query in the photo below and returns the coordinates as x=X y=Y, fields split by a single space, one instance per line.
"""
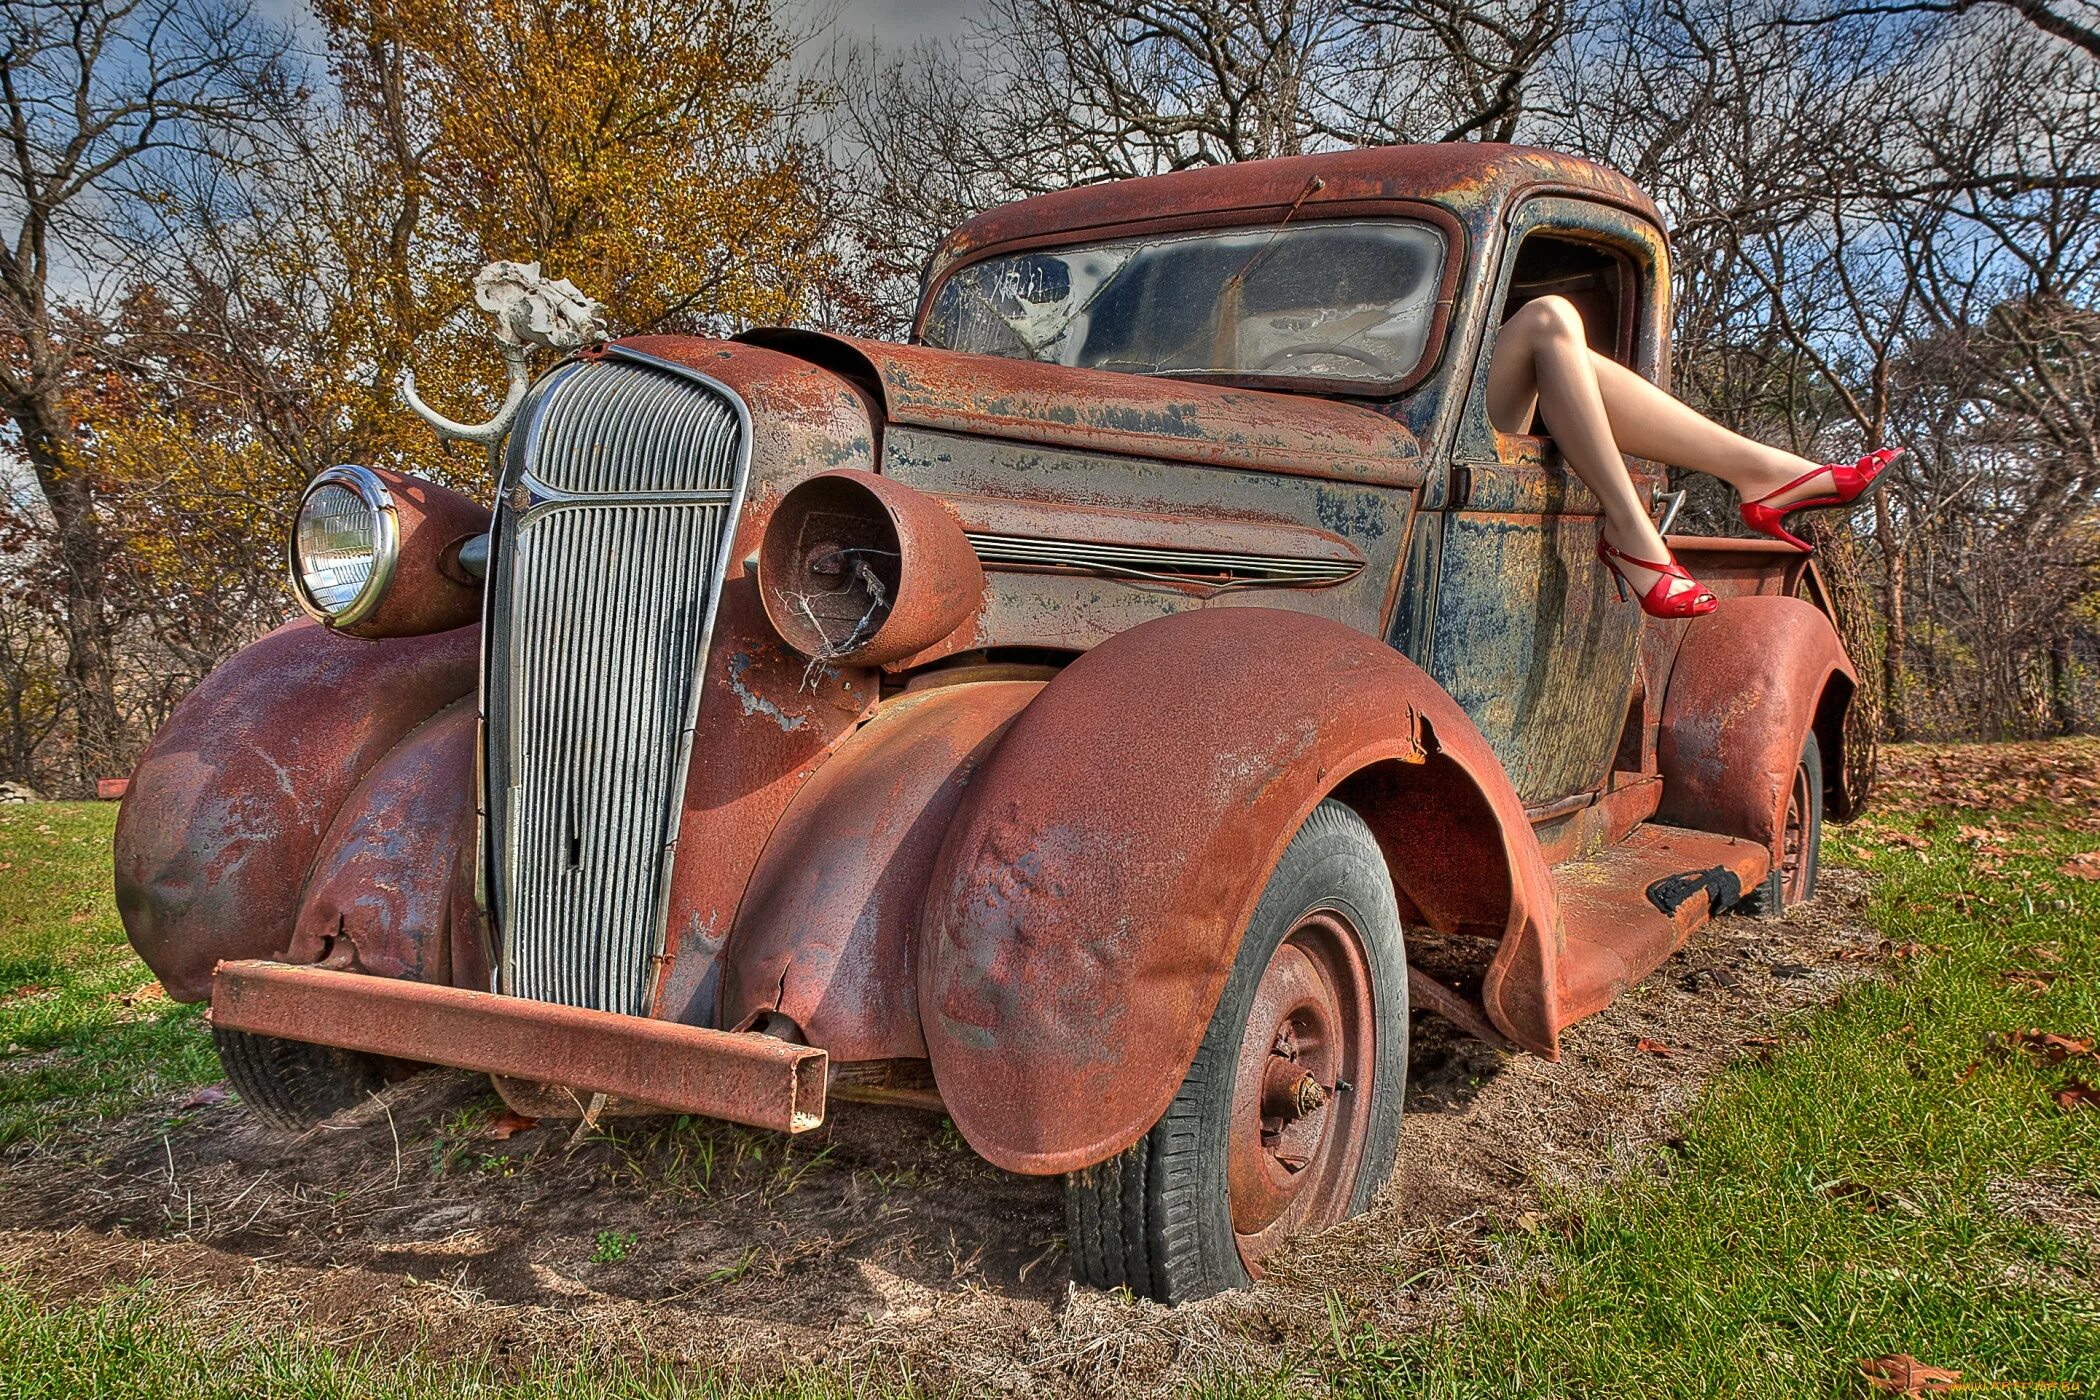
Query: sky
x=897 y=22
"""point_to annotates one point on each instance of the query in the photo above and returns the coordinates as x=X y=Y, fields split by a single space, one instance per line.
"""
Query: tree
x=100 y=96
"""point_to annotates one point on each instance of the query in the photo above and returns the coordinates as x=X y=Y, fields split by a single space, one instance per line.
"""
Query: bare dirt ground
x=878 y=1246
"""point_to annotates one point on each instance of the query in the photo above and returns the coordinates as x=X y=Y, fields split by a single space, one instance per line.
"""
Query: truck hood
x=1174 y=420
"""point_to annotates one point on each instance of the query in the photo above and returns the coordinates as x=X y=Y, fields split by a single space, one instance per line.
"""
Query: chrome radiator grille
x=619 y=499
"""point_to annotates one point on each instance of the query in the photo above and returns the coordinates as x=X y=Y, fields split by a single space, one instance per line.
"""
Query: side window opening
x=1598 y=281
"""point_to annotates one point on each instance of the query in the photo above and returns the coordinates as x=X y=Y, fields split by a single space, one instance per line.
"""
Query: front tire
x=1289 y=1119
x=292 y=1085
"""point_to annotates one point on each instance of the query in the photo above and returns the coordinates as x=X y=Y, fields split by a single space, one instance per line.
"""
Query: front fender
x=384 y=897
x=1098 y=876
x=225 y=814
x=1749 y=682
x=827 y=933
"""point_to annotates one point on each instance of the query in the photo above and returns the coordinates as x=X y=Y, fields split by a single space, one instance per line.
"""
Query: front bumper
x=745 y=1078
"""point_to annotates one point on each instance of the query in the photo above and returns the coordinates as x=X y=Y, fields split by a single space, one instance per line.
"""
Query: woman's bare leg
x=1596 y=410
x=1542 y=364
x=1650 y=423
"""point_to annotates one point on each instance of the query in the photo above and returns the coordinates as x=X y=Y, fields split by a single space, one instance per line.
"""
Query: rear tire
x=1799 y=858
x=1289 y=1119
x=292 y=1085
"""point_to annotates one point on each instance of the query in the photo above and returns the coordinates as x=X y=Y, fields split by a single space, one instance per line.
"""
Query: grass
x=124 y=1349
x=1894 y=1177
x=84 y=1030
x=1859 y=1192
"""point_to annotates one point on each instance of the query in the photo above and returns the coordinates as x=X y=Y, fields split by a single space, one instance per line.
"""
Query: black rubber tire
x=292 y=1085
x=1156 y=1218
x=1769 y=899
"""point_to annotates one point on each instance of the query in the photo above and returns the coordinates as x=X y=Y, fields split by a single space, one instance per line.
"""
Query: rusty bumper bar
x=752 y=1079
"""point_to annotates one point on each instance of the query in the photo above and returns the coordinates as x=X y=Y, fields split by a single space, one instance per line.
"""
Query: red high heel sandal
x=1849 y=483
x=1658 y=601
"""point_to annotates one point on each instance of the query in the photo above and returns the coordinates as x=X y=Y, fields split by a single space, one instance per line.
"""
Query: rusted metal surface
x=1023 y=489
x=1096 y=880
x=751 y=1079
x=894 y=1083
x=829 y=929
x=769 y=715
x=1428 y=994
x=229 y=804
x=861 y=570
x=1615 y=933
x=1168 y=420
x=1302 y=1089
x=1465 y=176
x=429 y=591
x=1747 y=684
x=1731 y=568
x=380 y=899
x=1623 y=804
x=111 y=789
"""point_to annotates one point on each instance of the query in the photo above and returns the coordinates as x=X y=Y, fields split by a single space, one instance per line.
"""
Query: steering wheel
x=1323 y=347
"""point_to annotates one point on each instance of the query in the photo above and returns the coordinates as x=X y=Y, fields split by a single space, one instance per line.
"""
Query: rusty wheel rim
x=1793 y=842
x=1302 y=1088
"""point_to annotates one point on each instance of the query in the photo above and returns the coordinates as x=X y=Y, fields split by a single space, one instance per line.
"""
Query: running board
x=1627 y=909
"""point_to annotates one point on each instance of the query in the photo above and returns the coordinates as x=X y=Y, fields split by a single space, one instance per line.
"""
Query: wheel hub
x=1298 y=1117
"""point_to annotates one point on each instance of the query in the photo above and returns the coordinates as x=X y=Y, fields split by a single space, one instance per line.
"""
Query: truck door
x=1527 y=632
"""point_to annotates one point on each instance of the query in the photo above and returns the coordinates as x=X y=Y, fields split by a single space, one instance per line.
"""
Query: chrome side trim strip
x=1194 y=566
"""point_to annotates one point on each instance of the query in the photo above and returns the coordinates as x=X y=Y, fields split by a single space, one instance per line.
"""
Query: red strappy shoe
x=1849 y=483
x=1658 y=601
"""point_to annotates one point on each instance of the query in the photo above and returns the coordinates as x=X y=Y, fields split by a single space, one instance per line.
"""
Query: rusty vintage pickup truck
x=1104 y=719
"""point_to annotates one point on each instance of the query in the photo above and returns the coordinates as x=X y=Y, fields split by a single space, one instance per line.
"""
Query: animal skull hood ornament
x=534 y=310
x=530 y=311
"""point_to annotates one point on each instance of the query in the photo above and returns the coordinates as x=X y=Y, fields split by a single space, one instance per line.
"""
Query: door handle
x=1673 y=501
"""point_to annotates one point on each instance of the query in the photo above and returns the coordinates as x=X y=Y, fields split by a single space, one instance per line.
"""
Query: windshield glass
x=1340 y=300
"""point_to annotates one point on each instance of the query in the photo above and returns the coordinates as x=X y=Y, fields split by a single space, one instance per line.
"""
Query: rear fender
x=1748 y=684
x=1104 y=863
x=226 y=812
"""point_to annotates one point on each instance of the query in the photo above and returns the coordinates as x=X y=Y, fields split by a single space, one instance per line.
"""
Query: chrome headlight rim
x=372 y=489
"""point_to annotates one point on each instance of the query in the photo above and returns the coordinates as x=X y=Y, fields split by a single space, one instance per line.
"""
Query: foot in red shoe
x=1673 y=593
x=1848 y=482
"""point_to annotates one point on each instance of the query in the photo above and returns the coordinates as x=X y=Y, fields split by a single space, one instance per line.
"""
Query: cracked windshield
x=1341 y=300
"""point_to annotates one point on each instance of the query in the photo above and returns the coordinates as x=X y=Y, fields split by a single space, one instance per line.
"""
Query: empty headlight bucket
x=345 y=543
x=857 y=569
x=376 y=553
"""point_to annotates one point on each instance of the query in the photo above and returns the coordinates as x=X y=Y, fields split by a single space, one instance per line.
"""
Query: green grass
x=124 y=1349
x=84 y=1031
x=1855 y=1195
x=1891 y=1179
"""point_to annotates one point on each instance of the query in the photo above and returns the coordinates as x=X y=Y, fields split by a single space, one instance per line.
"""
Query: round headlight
x=344 y=545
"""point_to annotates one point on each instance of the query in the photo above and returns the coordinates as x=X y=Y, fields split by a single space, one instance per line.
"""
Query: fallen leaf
x=508 y=1125
x=2027 y=978
x=140 y=996
x=1760 y=1040
x=1654 y=1047
x=2049 y=1046
x=2046 y=952
x=1969 y=1070
x=1904 y=1374
x=25 y=992
x=2076 y=1094
x=2084 y=866
x=206 y=1097
x=1529 y=1222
